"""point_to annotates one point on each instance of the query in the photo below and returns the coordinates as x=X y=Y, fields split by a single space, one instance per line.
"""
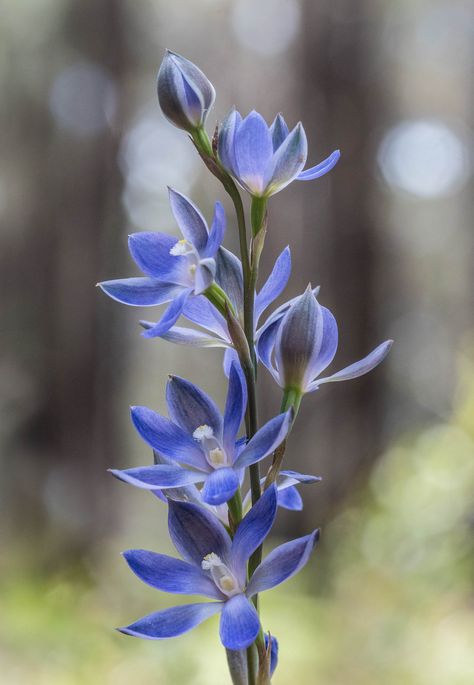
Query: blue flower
x=184 y=92
x=175 y=269
x=264 y=159
x=298 y=347
x=215 y=566
x=200 y=443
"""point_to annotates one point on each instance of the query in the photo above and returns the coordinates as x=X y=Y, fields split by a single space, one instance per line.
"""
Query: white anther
x=203 y=432
x=210 y=560
x=220 y=574
x=181 y=247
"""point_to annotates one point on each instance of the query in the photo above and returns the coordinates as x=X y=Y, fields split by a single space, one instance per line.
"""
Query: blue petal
x=196 y=532
x=151 y=252
x=235 y=407
x=321 y=168
x=216 y=234
x=328 y=345
x=282 y=563
x=188 y=336
x=172 y=622
x=229 y=277
x=200 y=311
x=158 y=476
x=288 y=160
x=189 y=219
x=195 y=77
x=170 y=316
x=253 y=530
x=275 y=284
x=226 y=142
x=297 y=477
x=168 y=438
x=253 y=153
x=279 y=131
x=230 y=357
x=265 y=440
x=299 y=340
x=140 y=292
x=266 y=346
x=358 y=368
x=190 y=407
x=171 y=575
x=239 y=625
x=290 y=498
x=220 y=486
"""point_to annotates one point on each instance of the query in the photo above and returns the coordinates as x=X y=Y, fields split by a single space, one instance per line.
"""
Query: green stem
x=258 y=213
x=291 y=398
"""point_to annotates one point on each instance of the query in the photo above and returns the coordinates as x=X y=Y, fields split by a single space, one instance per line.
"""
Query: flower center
x=215 y=455
x=220 y=574
x=203 y=432
x=181 y=247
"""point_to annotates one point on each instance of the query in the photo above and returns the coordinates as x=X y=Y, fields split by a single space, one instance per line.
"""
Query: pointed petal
x=216 y=234
x=229 y=277
x=253 y=153
x=253 y=530
x=239 y=625
x=358 y=368
x=282 y=563
x=226 y=142
x=189 y=219
x=172 y=622
x=288 y=477
x=188 y=336
x=266 y=345
x=140 y=292
x=288 y=160
x=170 y=316
x=235 y=407
x=220 y=486
x=275 y=284
x=167 y=438
x=171 y=575
x=265 y=440
x=151 y=252
x=274 y=652
x=196 y=532
x=190 y=407
x=158 y=476
x=321 y=168
x=290 y=498
x=279 y=131
x=201 y=312
x=328 y=346
x=298 y=341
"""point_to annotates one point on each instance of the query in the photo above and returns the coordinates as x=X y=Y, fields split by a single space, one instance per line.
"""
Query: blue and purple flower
x=175 y=270
x=299 y=346
x=215 y=566
x=265 y=159
x=199 y=444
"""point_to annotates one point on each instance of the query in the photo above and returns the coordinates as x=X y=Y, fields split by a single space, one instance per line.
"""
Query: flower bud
x=184 y=92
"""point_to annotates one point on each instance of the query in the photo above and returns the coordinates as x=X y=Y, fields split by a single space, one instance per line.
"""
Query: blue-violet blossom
x=215 y=566
x=185 y=94
x=175 y=269
x=298 y=347
x=265 y=159
x=201 y=443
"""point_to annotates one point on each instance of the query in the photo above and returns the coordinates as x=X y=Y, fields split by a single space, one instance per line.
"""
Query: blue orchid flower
x=299 y=346
x=185 y=94
x=265 y=159
x=201 y=443
x=215 y=566
x=176 y=270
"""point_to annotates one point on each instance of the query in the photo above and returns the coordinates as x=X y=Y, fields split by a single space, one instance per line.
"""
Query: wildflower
x=184 y=92
x=203 y=441
x=175 y=269
x=215 y=566
x=264 y=159
x=297 y=348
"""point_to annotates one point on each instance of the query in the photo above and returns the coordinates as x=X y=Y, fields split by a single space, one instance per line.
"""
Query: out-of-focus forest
x=86 y=156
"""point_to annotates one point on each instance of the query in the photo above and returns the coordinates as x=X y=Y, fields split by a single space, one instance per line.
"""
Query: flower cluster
x=206 y=463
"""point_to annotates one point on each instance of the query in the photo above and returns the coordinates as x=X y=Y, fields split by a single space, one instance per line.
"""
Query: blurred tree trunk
x=339 y=429
x=59 y=331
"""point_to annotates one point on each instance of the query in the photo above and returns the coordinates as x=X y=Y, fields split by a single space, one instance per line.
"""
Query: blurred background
x=86 y=157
